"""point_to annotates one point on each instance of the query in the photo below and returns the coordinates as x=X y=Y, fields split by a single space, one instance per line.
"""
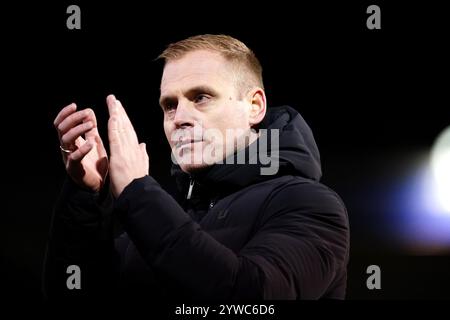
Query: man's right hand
x=87 y=161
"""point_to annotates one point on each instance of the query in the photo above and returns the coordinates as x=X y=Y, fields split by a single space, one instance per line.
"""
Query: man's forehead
x=199 y=66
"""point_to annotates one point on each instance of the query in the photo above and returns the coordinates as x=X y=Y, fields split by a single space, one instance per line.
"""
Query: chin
x=193 y=163
x=193 y=168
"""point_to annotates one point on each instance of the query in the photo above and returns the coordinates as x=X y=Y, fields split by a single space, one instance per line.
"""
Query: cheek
x=168 y=132
x=222 y=122
x=230 y=122
x=233 y=117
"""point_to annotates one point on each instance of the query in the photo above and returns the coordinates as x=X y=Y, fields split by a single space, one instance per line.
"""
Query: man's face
x=205 y=119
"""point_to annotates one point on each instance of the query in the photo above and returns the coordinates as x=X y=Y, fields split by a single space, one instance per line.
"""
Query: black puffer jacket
x=241 y=235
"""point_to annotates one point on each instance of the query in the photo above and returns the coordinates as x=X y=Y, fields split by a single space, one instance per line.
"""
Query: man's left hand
x=128 y=158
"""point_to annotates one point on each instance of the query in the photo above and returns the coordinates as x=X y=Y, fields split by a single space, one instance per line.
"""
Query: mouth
x=186 y=143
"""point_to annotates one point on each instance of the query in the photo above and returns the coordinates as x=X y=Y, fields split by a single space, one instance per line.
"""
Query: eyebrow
x=189 y=93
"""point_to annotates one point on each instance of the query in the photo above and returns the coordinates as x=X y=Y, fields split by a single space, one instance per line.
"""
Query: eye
x=201 y=98
x=169 y=107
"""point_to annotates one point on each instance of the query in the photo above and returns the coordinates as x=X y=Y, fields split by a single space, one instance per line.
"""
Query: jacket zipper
x=191 y=186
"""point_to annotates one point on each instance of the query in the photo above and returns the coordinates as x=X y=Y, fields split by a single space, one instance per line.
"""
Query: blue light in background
x=419 y=207
x=440 y=164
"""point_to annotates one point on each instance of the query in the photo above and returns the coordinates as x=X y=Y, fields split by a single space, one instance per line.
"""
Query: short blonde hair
x=248 y=66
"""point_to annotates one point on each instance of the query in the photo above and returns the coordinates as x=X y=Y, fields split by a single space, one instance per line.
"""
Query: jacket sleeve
x=292 y=255
x=81 y=234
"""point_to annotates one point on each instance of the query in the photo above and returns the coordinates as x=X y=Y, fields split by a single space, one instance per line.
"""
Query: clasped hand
x=84 y=155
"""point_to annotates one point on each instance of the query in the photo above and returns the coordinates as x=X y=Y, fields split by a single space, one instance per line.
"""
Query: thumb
x=143 y=147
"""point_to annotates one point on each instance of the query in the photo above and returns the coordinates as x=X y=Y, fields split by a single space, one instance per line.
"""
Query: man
x=234 y=231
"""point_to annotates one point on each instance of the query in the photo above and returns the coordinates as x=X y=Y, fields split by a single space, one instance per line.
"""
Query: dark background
x=375 y=99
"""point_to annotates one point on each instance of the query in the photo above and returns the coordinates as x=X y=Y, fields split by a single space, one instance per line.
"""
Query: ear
x=257 y=99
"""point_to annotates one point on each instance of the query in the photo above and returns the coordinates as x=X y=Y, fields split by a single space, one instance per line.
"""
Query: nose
x=183 y=115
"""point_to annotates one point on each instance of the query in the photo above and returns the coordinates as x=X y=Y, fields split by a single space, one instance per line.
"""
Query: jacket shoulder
x=298 y=191
x=308 y=209
x=306 y=197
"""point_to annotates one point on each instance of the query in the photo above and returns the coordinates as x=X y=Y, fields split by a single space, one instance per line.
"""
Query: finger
x=123 y=114
x=143 y=149
x=145 y=156
x=114 y=123
x=67 y=110
x=79 y=142
x=100 y=147
x=74 y=119
x=113 y=134
x=92 y=134
x=112 y=106
x=129 y=135
x=125 y=132
x=81 y=152
x=68 y=139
